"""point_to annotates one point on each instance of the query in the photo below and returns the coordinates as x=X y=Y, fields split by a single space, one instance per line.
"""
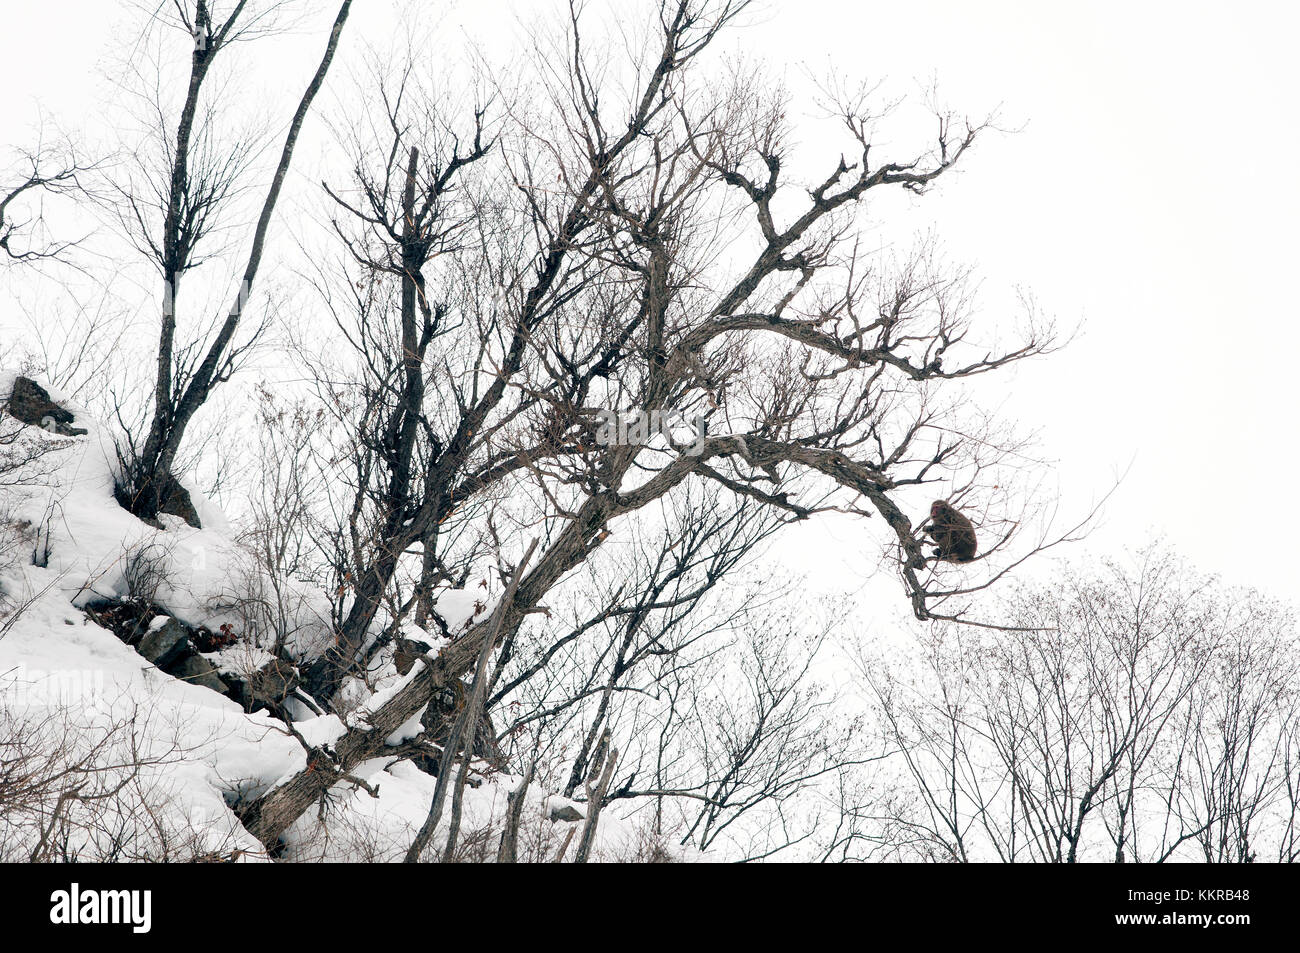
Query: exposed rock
x=129 y=621
x=566 y=813
x=177 y=502
x=269 y=686
x=169 y=644
x=166 y=644
x=196 y=669
x=205 y=640
x=273 y=683
x=31 y=403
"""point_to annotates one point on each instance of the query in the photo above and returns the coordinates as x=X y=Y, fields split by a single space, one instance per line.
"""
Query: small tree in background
x=1142 y=715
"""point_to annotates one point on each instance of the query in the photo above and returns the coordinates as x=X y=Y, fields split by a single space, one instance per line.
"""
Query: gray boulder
x=165 y=644
x=31 y=403
x=566 y=813
x=272 y=683
x=177 y=502
x=196 y=669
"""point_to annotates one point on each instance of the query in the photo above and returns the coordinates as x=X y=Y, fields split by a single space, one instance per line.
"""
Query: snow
x=322 y=730
x=461 y=608
x=56 y=664
x=409 y=729
x=240 y=659
x=389 y=683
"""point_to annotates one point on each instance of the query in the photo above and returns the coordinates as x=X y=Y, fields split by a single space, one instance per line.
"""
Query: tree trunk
x=172 y=415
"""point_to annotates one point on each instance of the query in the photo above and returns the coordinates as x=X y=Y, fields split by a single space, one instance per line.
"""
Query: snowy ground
x=68 y=682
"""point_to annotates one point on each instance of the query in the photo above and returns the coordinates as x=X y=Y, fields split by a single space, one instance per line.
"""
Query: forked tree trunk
x=172 y=413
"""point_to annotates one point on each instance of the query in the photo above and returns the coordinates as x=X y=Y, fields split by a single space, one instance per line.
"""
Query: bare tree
x=200 y=177
x=1228 y=781
x=581 y=275
x=708 y=691
x=48 y=170
x=638 y=619
x=82 y=781
x=763 y=746
x=1137 y=715
x=407 y=215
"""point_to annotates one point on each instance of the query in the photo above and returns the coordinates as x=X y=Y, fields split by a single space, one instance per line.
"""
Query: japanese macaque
x=953 y=534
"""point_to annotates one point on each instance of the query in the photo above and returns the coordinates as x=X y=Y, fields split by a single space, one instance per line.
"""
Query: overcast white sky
x=1150 y=193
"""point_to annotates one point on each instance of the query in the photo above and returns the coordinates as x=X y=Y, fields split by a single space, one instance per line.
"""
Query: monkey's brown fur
x=953 y=533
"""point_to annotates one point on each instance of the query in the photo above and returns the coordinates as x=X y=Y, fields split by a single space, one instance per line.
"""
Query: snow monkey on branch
x=952 y=532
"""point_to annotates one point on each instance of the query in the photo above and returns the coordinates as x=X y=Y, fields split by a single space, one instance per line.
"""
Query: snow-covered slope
x=73 y=690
